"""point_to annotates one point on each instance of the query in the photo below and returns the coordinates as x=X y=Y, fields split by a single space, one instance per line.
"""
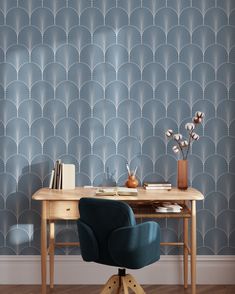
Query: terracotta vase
x=182 y=174
x=132 y=182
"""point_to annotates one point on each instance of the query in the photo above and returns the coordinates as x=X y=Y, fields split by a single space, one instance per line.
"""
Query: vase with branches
x=182 y=147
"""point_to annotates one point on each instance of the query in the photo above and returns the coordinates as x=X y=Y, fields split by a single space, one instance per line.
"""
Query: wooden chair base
x=120 y=284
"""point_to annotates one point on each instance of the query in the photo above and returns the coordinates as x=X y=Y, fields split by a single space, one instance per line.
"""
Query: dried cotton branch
x=184 y=145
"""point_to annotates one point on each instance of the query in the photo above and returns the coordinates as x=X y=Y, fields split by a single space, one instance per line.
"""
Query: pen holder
x=131 y=182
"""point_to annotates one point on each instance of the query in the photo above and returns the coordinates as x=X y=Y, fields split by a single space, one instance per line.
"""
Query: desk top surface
x=143 y=195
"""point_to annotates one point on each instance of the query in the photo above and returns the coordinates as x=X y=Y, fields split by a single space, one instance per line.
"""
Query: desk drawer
x=63 y=210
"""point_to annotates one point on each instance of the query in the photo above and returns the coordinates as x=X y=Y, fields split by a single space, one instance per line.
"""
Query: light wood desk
x=63 y=205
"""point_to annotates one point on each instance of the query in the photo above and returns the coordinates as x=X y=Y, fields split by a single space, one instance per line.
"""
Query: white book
x=51 y=179
x=106 y=191
x=122 y=191
x=68 y=176
x=160 y=184
x=157 y=188
x=168 y=207
x=127 y=191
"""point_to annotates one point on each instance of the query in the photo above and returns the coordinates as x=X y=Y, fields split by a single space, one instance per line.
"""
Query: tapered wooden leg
x=44 y=246
x=112 y=286
x=185 y=253
x=193 y=247
x=116 y=283
x=131 y=283
x=119 y=289
x=52 y=253
x=125 y=288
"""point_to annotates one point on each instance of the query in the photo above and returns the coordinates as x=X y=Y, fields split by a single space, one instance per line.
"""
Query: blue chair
x=109 y=235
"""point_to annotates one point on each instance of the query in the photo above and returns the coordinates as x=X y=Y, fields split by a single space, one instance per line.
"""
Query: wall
x=97 y=83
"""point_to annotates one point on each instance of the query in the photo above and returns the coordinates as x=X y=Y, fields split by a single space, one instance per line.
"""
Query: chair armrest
x=88 y=243
x=135 y=246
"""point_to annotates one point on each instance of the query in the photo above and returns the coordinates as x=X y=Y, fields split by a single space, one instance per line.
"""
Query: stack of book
x=62 y=176
x=157 y=186
x=168 y=208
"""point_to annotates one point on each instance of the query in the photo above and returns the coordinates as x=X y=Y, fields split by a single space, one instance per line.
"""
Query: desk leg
x=185 y=253
x=44 y=246
x=52 y=253
x=193 y=247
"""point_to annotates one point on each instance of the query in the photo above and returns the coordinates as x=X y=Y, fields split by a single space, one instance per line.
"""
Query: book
x=67 y=176
x=157 y=184
x=58 y=173
x=51 y=179
x=121 y=191
x=157 y=187
x=106 y=192
x=55 y=174
x=60 y=176
x=169 y=208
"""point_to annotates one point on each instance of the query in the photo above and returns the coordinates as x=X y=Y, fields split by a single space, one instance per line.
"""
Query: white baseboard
x=73 y=270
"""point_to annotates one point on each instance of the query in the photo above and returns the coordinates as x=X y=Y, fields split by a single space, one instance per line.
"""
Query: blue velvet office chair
x=109 y=235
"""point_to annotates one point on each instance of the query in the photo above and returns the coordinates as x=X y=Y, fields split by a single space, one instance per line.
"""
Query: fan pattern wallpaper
x=97 y=83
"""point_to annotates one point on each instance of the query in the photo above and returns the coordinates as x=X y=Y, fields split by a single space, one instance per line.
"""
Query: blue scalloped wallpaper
x=97 y=83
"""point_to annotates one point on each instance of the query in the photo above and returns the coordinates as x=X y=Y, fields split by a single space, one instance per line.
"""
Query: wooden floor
x=153 y=289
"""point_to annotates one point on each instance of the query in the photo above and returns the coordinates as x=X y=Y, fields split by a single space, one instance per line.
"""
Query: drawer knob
x=67 y=209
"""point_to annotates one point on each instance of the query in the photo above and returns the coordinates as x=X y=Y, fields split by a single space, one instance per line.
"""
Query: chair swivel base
x=116 y=283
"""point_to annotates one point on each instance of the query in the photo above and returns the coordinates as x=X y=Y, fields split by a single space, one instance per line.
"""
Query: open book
x=121 y=191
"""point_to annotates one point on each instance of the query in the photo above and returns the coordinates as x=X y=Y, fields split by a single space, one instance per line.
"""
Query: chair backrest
x=98 y=218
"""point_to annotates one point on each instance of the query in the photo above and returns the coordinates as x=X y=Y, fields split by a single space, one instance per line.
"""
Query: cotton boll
x=190 y=126
x=195 y=136
x=175 y=149
x=169 y=133
x=197 y=120
x=184 y=143
x=199 y=114
x=177 y=137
